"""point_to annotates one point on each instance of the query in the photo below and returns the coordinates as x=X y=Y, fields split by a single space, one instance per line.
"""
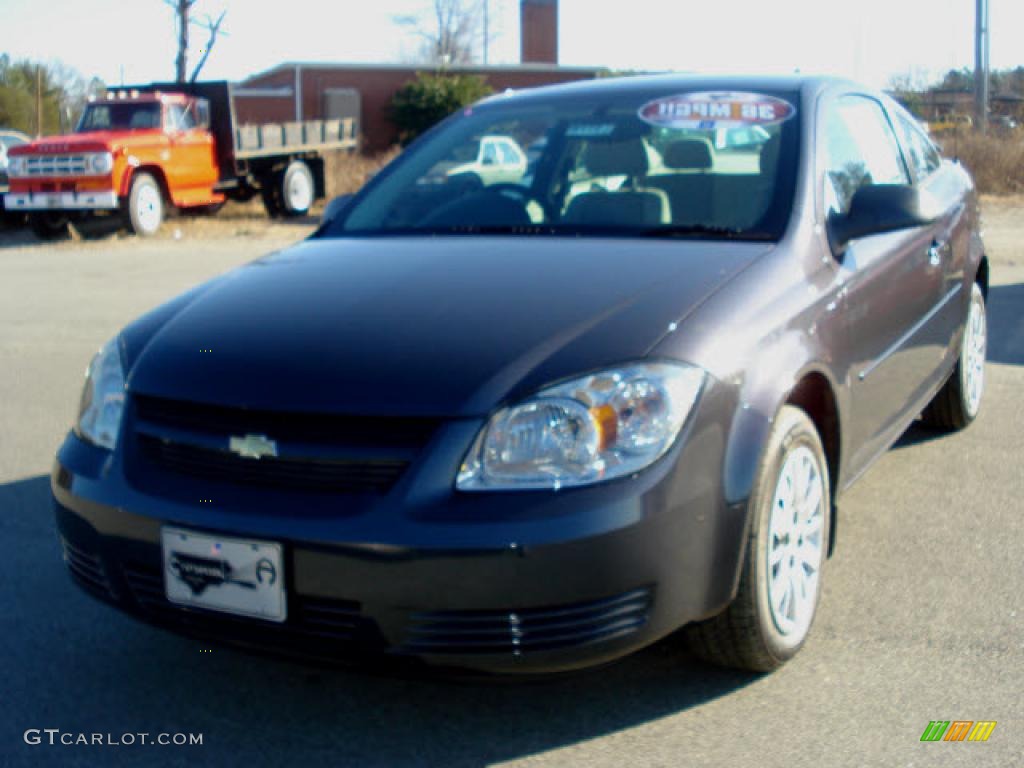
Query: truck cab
x=131 y=154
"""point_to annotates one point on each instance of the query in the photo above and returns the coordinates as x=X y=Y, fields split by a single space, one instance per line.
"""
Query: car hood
x=90 y=141
x=445 y=326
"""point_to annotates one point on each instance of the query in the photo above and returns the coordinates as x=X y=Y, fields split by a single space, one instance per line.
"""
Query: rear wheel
x=297 y=190
x=145 y=205
x=957 y=404
x=49 y=226
x=780 y=584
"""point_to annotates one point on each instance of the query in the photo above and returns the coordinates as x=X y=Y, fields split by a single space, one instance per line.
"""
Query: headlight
x=16 y=166
x=99 y=416
x=101 y=163
x=598 y=427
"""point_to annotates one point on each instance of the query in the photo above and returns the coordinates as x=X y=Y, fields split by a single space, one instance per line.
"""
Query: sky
x=868 y=40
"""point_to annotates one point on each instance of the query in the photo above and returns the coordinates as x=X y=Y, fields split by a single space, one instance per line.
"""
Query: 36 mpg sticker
x=707 y=110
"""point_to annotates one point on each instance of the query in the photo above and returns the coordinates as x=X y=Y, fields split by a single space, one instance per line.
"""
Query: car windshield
x=700 y=164
x=120 y=116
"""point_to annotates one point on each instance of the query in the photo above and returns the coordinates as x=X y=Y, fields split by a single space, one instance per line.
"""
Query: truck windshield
x=120 y=116
x=703 y=165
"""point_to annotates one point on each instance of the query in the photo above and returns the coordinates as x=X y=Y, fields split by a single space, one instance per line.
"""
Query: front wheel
x=957 y=404
x=145 y=205
x=780 y=583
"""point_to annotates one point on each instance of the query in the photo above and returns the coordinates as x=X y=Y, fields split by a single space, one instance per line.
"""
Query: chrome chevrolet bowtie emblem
x=253 y=446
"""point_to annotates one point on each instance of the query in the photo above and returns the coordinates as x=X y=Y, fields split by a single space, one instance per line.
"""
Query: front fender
x=771 y=377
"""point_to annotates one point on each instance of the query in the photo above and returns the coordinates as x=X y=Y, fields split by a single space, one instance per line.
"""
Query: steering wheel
x=520 y=193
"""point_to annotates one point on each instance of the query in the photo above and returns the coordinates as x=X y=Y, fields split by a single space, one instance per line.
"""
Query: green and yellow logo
x=958 y=730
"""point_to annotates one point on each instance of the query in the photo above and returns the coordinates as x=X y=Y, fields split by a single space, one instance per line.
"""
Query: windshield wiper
x=705 y=230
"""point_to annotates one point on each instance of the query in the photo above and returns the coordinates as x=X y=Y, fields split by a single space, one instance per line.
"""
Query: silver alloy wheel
x=972 y=353
x=795 y=543
x=150 y=208
x=299 y=191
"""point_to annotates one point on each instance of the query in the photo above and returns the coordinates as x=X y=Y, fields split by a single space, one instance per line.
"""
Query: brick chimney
x=538 y=21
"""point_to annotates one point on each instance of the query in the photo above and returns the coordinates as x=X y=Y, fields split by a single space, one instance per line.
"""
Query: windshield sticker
x=589 y=130
x=709 y=110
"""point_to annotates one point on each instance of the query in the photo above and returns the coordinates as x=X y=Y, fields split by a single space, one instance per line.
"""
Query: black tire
x=145 y=205
x=746 y=635
x=954 y=407
x=297 y=189
x=49 y=226
x=270 y=194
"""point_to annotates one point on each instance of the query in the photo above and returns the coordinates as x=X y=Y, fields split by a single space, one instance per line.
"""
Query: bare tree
x=448 y=30
x=213 y=29
x=182 y=13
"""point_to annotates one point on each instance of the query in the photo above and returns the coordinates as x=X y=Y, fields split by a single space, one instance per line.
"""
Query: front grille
x=87 y=569
x=320 y=453
x=311 y=619
x=55 y=165
x=315 y=475
x=529 y=630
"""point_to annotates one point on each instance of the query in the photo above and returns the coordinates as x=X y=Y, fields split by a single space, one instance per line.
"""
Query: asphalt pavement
x=921 y=616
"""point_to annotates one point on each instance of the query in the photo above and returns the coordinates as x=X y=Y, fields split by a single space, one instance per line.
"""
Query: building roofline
x=423 y=67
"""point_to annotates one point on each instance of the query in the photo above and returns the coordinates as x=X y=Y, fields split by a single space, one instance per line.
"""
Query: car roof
x=6 y=133
x=639 y=85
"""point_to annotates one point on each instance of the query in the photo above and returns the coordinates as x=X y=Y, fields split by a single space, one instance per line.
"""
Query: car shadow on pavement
x=1006 y=324
x=78 y=665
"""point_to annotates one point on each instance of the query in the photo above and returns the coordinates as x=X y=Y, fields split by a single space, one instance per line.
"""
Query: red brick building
x=315 y=90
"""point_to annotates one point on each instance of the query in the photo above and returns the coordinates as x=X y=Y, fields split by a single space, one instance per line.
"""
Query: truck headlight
x=600 y=426
x=101 y=163
x=16 y=166
x=99 y=415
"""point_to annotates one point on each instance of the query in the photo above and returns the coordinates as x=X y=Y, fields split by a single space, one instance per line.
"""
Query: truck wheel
x=145 y=205
x=297 y=190
x=780 y=582
x=49 y=226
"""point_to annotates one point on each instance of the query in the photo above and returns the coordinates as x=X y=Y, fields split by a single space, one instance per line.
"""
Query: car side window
x=922 y=154
x=490 y=154
x=180 y=118
x=508 y=155
x=860 y=150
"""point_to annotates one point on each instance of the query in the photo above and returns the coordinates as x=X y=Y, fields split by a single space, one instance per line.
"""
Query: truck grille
x=55 y=165
x=319 y=453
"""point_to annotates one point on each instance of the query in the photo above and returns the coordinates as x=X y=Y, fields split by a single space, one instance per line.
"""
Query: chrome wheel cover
x=795 y=542
x=972 y=354
x=300 y=192
x=150 y=208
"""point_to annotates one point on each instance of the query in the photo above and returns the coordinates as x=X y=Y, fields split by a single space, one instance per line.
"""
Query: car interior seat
x=633 y=204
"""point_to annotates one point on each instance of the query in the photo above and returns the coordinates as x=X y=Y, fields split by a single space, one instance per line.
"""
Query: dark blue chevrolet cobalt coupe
x=585 y=366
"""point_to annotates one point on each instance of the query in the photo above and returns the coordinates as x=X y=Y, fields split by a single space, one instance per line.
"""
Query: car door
x=194 y=167
x=943 y=183
x=890 y=284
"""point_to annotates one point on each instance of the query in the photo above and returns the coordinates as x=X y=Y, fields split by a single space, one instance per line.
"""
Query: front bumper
x=529 y=582
x=61 y=201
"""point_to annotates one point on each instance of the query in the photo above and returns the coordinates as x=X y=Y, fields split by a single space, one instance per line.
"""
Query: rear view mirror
x=880 y=208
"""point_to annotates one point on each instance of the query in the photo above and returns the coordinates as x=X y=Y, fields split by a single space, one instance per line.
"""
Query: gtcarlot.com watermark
x=56 y=737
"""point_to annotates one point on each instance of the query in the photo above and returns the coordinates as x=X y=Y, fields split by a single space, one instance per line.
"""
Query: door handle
x=935 y=254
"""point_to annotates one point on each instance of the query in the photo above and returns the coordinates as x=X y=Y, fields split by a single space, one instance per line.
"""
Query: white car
x=499 y=159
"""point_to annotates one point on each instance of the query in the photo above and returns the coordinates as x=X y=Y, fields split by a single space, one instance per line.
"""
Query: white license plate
x=240 y=576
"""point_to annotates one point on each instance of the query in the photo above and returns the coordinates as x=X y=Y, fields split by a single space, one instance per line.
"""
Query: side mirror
x=333 y=208
x=880 y=208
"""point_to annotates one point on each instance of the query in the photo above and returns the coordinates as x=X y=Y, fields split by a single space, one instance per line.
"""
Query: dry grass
x=346 y=173
x=995 y=161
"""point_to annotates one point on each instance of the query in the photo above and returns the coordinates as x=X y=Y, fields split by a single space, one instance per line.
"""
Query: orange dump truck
x=141 y=150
